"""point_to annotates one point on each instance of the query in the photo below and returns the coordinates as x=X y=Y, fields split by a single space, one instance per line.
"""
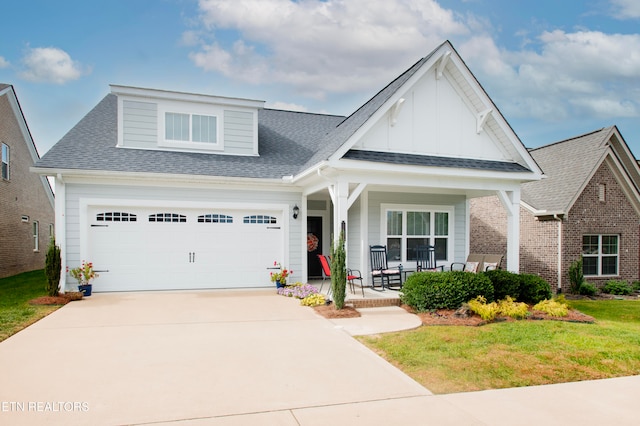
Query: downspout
x=559 y=266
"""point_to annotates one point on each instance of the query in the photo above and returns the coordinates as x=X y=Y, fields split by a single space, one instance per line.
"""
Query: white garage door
x=163 y=249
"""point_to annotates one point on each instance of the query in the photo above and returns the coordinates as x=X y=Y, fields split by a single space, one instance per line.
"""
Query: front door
x=314 y=246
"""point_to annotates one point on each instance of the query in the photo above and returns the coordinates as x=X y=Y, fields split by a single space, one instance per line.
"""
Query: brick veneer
x=22 y=194
x=538 y=238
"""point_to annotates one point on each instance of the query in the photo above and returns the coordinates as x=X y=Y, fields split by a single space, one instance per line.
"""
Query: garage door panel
x=206 y=250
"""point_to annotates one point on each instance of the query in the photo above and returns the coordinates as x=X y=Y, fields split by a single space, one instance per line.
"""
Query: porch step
x=373 y=303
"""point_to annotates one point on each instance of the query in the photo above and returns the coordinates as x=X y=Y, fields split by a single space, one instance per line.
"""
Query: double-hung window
x=600 y=255
x=407 y=227
x=5 y=161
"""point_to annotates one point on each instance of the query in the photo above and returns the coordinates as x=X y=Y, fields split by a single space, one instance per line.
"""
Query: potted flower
x=84 y=274
x=280 y=278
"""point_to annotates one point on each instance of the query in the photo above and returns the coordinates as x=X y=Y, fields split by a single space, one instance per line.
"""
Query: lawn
x=15 y=293
x=520 y=353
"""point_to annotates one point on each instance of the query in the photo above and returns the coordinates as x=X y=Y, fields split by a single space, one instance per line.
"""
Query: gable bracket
x=443 y=63
x=355 y=194
x=481 y=119
x=395 y=110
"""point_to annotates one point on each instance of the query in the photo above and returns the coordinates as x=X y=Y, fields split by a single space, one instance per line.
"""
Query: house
x=26 y=200
x=589 y=205
x=169 y=190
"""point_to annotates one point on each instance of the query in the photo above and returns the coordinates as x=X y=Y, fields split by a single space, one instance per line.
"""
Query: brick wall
x=488 y=227
x=614 y=216
x=22 y=194
x=539 y=247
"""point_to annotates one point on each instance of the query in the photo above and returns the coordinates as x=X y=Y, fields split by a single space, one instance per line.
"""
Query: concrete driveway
x=250 y=358
x=236 y=357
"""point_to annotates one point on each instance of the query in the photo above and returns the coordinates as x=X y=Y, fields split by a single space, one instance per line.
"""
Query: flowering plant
x=282 y=275
x=83 y=273
x=298 y=290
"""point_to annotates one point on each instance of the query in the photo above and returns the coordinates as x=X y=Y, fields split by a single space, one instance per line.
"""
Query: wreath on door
x=312 y=242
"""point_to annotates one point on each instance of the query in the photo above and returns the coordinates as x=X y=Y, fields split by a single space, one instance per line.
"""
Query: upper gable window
x=197 y=129
x=5 y=161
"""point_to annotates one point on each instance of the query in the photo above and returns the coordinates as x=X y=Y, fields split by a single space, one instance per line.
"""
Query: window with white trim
x=5 y=161
x=36 y=232
x=191 y=127
x=600 y=254
x=405 y=228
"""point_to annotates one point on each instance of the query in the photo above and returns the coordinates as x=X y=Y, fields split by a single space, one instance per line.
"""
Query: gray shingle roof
x=567 y=165
x=4 y=86
x=286 y=140
x=433 y=161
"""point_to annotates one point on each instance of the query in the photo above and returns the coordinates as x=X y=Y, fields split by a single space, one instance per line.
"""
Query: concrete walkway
x=250 y=358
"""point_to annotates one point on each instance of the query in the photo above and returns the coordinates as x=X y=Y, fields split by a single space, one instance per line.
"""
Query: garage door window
x=167 y=217
x=116 y=217
x=259 y=218
x=215 y=218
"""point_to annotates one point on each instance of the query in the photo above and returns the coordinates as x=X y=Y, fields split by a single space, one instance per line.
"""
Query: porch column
x=60 y=228
x=511 y=202
x=340 y=207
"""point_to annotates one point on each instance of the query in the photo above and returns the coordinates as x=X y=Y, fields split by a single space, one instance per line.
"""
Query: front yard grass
x=15 y=293
x=521 y=353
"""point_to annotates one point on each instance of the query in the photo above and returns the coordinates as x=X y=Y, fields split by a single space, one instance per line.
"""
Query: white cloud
x=626 y=9
x=50 y=65
x=3 y=62
x=321 y=47
x=584 y=73
x=333 y=47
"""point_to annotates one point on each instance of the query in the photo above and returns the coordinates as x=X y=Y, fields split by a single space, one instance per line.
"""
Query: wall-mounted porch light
x=296 y=211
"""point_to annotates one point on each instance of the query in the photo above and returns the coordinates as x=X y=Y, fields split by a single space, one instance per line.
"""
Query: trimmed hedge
x=444 y=290
x=525 y=288
x=504 y=283
x=533 y=289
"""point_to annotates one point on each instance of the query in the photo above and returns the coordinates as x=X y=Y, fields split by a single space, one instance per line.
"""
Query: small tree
x=576 y=276
x=338 y=272
x=53 y=268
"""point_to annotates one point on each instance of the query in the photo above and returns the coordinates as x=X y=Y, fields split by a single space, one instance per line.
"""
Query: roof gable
x=569 y=165
x=424 y=112
x=8 y=91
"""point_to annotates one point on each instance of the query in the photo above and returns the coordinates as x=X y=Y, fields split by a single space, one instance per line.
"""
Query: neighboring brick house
x=26 y=199
x=588 y=205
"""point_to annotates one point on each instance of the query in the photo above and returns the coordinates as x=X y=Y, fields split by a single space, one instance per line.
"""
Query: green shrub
x=504 y=283
x=617 y=287
x=576 y=276
x=587 y=289
x=487 y=311
x=555 y=308
x=444 y=290
x=533 y=289
x=635 y=285
x=338 y=272
x=53 y=268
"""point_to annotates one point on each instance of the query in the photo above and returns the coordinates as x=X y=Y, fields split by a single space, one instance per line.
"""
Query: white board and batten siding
x=162 y=239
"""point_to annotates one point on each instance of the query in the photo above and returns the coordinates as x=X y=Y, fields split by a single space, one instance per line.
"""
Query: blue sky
x=555 y=69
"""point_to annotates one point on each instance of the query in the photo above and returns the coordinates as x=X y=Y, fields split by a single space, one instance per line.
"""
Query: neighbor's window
x=5 y=161
x=191 y=127
x=600 y=255
x=407 y=228
x=36 y=226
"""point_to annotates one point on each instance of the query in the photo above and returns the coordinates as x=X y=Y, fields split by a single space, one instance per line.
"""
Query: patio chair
x=426 y=259
x=380 y=270
x=352 y=275
x=478 y=262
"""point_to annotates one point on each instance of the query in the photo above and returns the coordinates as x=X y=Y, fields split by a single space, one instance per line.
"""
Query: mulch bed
x=330 y=311
x=62 y=299
x=450 y=317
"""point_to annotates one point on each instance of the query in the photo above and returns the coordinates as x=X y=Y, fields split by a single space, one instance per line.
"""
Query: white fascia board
x=139 y=92
x=402 y=170
x=158 y=179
